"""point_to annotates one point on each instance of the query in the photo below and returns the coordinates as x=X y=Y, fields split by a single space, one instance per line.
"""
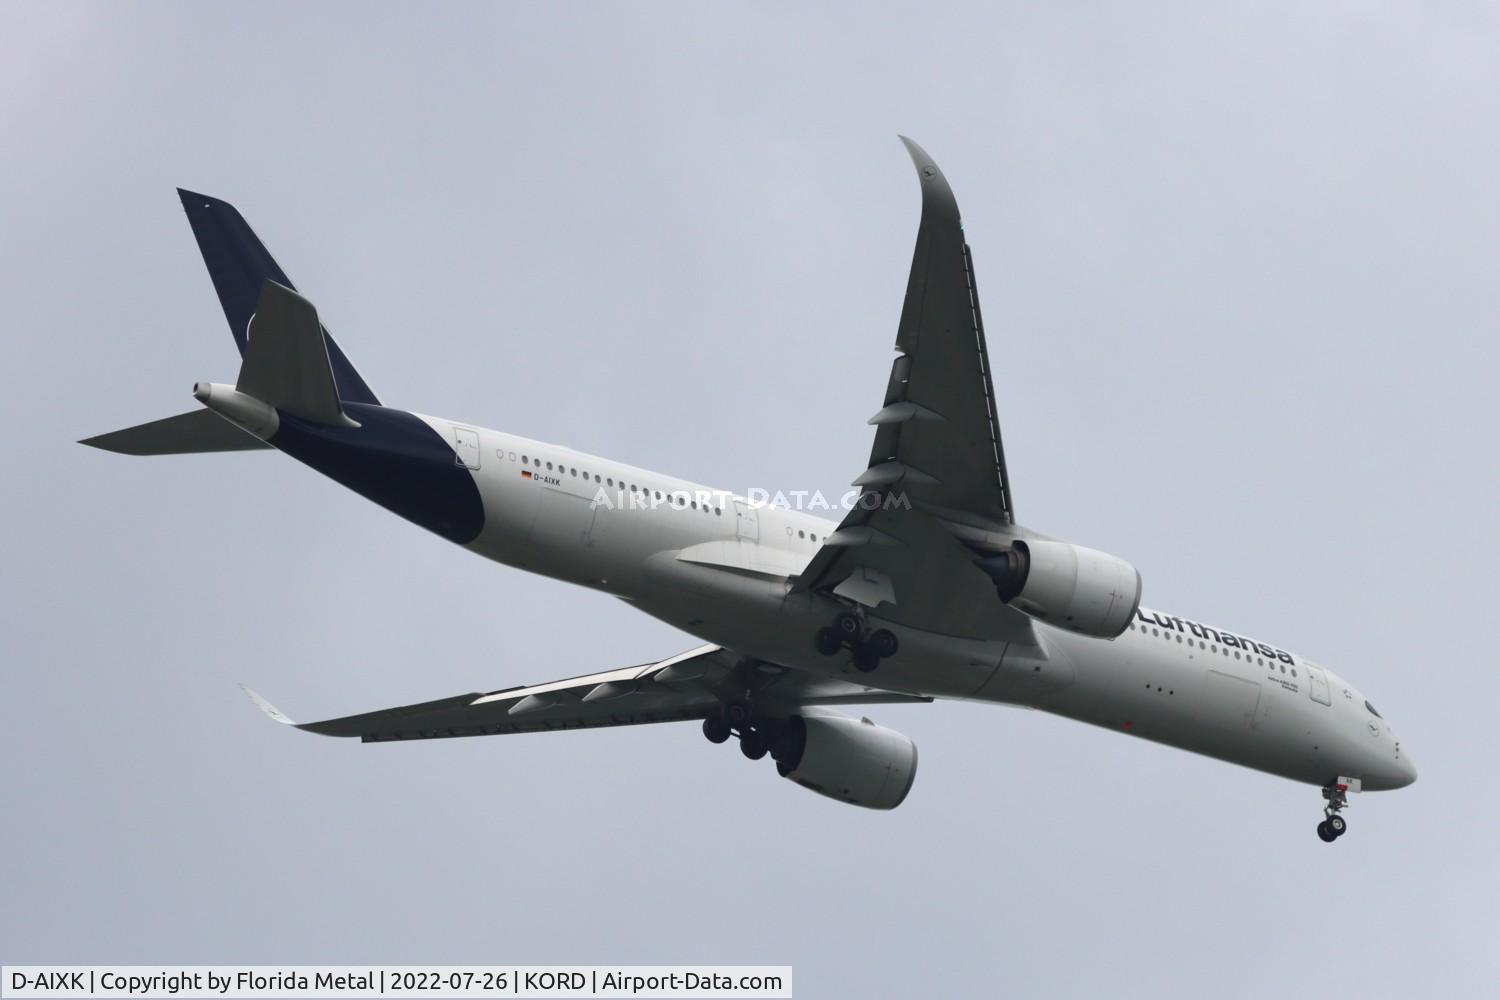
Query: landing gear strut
x=1337 y=797
x=869 y=648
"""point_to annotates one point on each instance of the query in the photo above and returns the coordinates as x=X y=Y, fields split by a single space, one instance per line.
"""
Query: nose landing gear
x=847 y=630
x=1337 y=796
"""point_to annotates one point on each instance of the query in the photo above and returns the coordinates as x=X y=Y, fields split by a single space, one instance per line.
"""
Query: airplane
x=927 y=588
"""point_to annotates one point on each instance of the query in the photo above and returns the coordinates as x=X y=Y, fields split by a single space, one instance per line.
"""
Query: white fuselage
x=719 y=568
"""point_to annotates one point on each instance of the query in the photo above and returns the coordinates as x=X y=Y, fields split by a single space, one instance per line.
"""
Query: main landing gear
x=1337 y=797
x=755 y=741
x=869 y=648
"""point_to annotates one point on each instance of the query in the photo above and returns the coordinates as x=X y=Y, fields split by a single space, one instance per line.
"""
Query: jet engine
x=852 y=760
x=1069 y=586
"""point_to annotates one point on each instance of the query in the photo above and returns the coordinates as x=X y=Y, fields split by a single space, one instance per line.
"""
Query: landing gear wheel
x=1336 y=794
x=717 y=730
x=846 y=624
x=753 y=745
x=865 y=659
x=883 y=642
x=828 y=641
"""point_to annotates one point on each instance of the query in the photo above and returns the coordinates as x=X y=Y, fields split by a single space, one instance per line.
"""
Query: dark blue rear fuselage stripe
x=395 y=459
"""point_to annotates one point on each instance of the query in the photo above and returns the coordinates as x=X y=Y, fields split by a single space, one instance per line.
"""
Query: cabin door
x=466 y=446
x=748 y=521
x=1317 y=684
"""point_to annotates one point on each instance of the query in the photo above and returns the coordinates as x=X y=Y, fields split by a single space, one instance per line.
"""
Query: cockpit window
x=1372 y=711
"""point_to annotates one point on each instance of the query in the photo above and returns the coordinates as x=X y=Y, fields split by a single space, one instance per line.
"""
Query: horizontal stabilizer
x=286 y=359
x=185 y=434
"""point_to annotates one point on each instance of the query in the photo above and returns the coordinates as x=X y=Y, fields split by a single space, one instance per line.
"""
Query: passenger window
x=525 y=460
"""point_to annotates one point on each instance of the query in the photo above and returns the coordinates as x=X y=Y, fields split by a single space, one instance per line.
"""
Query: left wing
x=691 y=685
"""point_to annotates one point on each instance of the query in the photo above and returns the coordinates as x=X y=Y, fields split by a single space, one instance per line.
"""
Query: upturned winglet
x=265 y=706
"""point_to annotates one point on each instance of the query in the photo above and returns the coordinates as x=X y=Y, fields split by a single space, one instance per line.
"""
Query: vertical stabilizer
x=240 y=265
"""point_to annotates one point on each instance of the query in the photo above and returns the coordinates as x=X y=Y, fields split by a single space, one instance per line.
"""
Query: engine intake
x=1082 y=590
x=851 y=760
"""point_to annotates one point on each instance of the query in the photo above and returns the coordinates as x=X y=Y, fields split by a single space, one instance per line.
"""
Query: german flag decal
x=526 y=474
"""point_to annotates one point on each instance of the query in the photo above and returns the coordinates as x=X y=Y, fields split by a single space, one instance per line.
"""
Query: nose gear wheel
x=1336 y=796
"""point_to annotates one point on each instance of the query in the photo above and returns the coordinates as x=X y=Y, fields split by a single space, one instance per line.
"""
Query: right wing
x=935 y=486
x=692 y=685
x=938 y=434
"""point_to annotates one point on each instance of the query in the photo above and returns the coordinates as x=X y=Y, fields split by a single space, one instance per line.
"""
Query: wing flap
x=925 y=575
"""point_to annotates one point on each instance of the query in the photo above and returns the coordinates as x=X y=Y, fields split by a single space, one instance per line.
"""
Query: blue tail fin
x=239 y=265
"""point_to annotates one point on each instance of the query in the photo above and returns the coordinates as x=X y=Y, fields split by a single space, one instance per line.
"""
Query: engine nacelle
x=1079 y=589
x=852 y=760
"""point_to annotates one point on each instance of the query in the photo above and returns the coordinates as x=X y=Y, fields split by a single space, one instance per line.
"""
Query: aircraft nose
x=1390 y=774
x=1406 y=771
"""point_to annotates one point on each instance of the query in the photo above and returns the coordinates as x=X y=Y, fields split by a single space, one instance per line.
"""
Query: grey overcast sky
x=1239 y=274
